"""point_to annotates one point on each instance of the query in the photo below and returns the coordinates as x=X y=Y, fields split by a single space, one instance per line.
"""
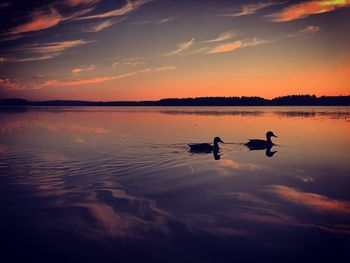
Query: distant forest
x=292 y=100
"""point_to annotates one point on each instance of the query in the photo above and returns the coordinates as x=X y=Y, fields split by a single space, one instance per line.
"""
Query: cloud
x=77 y=82
x=77 y=14
x=134 y=63
x=181 y=47
x=309 y=30
x=222 y=37
x=237 y=44
x=106 y=24
x=129 y=62
x=252 y=8
x=95 y=80
x=129 y=7
x=74 y=3
x=52 y=47
x=43 y=19
x=11 y=85
x=2 y=60
x=154 y=22
x=46 y=50
x=164 y=20
x=304 y=9
x=313 y=201
x=37 y=58
x=305 y=31
x=201 y=50
x=40 y=21
x=227 y=47
x=81 y=69
x=7 y=37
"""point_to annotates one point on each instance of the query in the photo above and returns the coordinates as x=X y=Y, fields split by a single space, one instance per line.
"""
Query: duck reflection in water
x=205 y=148
x=268 y=152
x=257 y=144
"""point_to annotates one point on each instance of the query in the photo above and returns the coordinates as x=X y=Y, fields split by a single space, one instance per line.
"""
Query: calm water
x=120 y=185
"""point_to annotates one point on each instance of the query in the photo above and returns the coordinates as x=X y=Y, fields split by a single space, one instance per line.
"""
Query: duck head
x=270 y=134
x=217 y=140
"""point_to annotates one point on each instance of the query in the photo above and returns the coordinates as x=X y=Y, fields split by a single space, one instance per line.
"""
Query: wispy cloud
x=50 y=17
x=181 y=47
x=77 y=14
x=52 y=47
x=106 y=24
x=304 y=9
x=95 y=80
x=78 y=70
x=164 y=20
x=76 y=82
x=130 y=6
x=129 y=62
x=201 y=50
x=40 y=21
x=134 y=63
x=44 y=51
x=309 y=30
x=6 y=37
x=221 y=37
x=252 y=8
x=227 y=47
x=12 y=85
x=237 y=44
x=74 y=3
x=35 y=58
x=43 y=19
x=313 y=201
x=153 y=21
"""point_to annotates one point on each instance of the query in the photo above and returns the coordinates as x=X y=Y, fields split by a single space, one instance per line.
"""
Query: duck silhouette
x=256 y=144
x=206 y=147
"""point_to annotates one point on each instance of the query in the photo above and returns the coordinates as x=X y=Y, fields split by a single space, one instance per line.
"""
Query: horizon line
x=179 y=98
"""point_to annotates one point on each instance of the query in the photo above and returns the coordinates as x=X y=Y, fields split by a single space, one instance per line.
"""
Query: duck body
x=257 y=144
x=201 y=147
x=205 y=147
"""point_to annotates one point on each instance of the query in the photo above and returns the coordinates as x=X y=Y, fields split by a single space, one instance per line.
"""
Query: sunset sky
x=152 y=49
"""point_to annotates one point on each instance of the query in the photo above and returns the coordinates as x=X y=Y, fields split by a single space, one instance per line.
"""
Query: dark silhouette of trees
x=291 y=100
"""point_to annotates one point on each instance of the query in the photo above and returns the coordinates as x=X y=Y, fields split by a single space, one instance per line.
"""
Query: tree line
x=291 y=100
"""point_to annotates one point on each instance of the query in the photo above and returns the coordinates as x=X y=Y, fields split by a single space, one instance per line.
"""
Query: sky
x=104 y=50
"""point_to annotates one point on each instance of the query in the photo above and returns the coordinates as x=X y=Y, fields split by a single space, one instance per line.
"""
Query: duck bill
x=221 y=141
x=274 y=136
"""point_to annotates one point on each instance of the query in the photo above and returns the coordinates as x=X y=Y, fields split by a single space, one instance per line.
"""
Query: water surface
x=120 y=185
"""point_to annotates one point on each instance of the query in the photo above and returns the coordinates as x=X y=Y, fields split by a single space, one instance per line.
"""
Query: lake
x=104 y=184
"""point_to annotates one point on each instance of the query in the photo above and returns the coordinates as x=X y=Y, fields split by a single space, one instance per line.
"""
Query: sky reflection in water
x=120 y=183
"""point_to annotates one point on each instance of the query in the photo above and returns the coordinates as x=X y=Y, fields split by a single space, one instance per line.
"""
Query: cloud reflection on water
x=313 y=201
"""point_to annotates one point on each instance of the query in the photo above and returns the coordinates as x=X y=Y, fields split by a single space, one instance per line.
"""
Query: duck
x=206 y=147
x=257 y=144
